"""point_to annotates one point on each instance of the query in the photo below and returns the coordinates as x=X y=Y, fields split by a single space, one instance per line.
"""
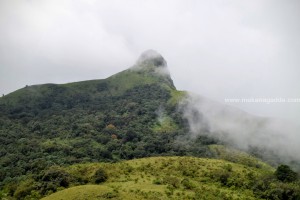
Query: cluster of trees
x=283 y=184
x=48 y=181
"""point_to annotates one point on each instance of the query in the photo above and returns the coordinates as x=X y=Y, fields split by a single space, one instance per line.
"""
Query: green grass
x=164 y=178
x=165 y=125
x=177 y=96
x=127 y=79
x=236 y=156
x=82 y=192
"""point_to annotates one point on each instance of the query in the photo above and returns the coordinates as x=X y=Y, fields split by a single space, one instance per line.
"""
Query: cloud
x=240 y=129
x=214 y=48
x=51 y=41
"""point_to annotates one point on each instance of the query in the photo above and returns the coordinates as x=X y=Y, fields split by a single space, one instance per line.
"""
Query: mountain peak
x=152 y=57
x=152 y=63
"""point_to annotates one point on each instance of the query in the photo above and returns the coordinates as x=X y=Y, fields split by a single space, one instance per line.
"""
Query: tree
x=285 y=174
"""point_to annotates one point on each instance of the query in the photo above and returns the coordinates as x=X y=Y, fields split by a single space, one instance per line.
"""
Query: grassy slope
x=164 y=178
x=237 y=156
x=165 y=124
x=117 y=85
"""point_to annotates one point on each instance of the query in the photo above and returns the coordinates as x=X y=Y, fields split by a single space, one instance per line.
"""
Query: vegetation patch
x=167 y=178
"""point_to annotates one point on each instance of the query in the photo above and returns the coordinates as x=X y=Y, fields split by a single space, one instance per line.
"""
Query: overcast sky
x=218 y=49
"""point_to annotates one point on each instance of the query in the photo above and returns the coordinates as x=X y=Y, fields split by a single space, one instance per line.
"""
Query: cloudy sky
x=218 y=49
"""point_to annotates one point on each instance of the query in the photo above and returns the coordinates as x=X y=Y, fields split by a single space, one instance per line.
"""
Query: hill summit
x=152 y=63
x=152 y=57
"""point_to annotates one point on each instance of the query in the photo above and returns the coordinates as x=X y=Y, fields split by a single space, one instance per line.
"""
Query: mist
x=240 y=129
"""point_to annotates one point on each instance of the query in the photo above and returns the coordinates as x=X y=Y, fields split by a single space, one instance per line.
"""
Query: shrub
x=157 y=181
x=57 y=176
x=172 y=181
x=100 y=176
x=53 y=178
x=222 y=176
x=285 y=174
x=187 y=184
x=24 y=189
x=110 y=195
x=228 y=167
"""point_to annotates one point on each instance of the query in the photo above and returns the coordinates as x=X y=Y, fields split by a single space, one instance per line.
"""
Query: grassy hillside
x=173 y=178
x=237 y=156
x=115 y=85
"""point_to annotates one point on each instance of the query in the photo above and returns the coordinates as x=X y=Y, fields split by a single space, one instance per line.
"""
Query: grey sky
x=219 y=49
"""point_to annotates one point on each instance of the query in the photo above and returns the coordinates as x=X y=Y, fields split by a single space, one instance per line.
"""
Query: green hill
x=56 y=136
x=131 y=114
x=173 y=178
x=237 y=156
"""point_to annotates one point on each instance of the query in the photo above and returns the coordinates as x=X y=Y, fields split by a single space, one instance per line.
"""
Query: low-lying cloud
x=240 y=129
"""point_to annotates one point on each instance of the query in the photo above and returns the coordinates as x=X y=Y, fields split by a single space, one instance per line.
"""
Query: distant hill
x=136 y=113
